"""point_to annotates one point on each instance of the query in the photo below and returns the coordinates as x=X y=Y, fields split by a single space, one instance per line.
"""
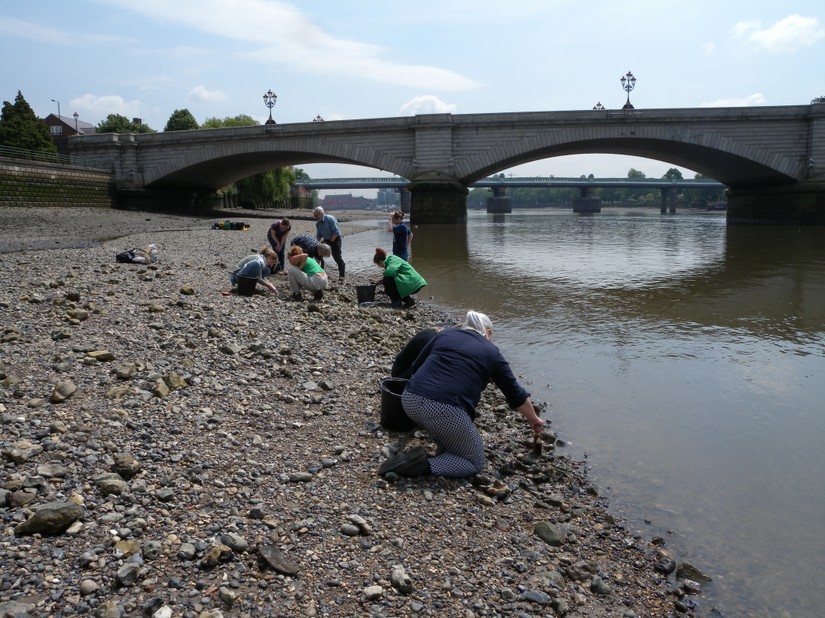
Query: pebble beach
x=167 y=450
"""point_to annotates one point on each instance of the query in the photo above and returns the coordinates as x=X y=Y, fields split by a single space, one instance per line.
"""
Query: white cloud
x=199 y=93
x=427 y=104
x=709 y=47
x=749 y=101
x=787 y=35
x=280 y=30
x=29 y=30
x=100 y=107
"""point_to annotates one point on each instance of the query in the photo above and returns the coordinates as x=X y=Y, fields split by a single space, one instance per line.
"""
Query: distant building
x=347 y=201
x=388 y=197
x=62 y=128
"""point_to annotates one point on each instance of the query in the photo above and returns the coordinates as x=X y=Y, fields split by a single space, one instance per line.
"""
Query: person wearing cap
x=448 y=378
x=400 y=279
x=257 y=265
x=327 y=230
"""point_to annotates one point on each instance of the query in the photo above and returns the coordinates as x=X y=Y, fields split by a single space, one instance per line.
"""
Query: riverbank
x=217 y=454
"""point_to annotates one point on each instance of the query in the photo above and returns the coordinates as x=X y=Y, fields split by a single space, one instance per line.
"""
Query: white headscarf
x=478 y=322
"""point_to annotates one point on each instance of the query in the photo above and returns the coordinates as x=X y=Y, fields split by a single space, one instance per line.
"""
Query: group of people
x=304 y=262
x=447 y=368
x=305 y=258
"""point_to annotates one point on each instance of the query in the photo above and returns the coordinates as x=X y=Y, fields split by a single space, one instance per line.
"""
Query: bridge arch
x=772 y=158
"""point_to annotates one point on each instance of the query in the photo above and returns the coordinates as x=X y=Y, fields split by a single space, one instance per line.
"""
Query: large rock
x=50 y=519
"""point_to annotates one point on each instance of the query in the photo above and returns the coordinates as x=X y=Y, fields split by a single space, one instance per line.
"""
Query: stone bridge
x=772 y=159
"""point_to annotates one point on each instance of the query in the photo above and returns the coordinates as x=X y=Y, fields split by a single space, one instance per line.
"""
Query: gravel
x=167 y=450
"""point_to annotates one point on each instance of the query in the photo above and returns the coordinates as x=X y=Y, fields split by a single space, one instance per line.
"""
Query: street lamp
x=269 y=100
x=598 y=105
x=58 y=107
x=75 y=122
x=318 y=118
x=628 y=84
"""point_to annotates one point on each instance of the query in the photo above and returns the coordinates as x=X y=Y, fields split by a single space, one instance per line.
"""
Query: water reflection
x=685 y=357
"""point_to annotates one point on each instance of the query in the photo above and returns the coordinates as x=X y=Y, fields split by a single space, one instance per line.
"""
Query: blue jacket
x=456 y=366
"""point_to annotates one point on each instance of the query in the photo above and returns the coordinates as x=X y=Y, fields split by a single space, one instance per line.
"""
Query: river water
x=682 y=358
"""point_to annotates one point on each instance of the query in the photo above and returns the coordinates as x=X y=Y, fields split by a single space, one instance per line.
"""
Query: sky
x=348 y=59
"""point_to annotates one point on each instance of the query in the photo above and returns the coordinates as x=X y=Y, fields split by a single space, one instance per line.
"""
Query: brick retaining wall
x=32 y=183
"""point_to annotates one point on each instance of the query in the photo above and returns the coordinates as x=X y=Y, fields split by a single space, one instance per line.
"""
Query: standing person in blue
x=400 y=280
x=448 y=378
x=327 y=230
x=401 y=235
x=276 y=236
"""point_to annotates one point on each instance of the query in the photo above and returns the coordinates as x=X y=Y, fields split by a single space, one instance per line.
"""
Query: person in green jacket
x=400 y=280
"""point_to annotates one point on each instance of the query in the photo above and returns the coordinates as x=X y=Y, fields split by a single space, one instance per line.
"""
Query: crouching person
x=448 y=378
x=258 y=266
x=305 y=273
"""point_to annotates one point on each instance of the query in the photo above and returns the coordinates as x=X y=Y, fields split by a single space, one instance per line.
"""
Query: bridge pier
x=587 y=202
x=499 y=203
x=437 y=200
x=798 y=204
x=405 y=196
x=668 y=197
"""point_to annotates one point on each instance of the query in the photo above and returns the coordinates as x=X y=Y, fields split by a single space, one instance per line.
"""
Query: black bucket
x=393 y=416
x=246 y=285
x=366 y=294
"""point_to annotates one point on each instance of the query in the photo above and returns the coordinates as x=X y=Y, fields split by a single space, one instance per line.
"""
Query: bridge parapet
x=750 y=150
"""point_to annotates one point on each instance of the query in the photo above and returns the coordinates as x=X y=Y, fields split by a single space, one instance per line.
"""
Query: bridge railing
x=53 y=157
x=528 y=181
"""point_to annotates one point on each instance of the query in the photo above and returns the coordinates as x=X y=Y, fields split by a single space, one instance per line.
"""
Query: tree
x=116 y=123
x=181 y=120
x=270 y=188
x=241 y=120
x=21 y=128
x=673 y=174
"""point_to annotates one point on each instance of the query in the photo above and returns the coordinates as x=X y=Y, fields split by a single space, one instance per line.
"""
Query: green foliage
x=116 y=123
x=20 y=128
x=673 y=174
x=241 y=120
x=181 y=120
x=270 y=188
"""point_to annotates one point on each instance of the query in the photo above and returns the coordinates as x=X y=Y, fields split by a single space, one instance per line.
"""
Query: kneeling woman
x=305 y=274
x=448 y=378
x=257 y=265
x=400 y=280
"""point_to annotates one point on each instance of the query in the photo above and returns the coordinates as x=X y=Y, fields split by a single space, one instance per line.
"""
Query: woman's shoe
x=409 y=301
x=411 y=463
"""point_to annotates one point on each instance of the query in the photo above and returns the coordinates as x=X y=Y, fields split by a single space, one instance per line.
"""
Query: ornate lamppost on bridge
x=75 y=122
x=318 y=118
x=269 y=100
x=628 y=84
x=599 y=105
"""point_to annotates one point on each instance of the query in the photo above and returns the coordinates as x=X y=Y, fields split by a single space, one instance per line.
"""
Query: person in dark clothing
x=448 y=378
x=314 y=249
x=402 y=365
